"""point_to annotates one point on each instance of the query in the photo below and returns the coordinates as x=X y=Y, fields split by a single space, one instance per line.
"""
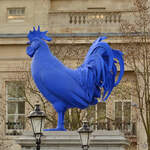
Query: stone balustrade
x=86 y=21
x=94 y=17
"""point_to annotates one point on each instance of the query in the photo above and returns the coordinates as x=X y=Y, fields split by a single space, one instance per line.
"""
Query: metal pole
x=38 y=143
x=85 y=147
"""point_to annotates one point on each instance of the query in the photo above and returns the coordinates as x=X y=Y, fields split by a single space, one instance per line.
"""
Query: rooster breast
x=58 y=84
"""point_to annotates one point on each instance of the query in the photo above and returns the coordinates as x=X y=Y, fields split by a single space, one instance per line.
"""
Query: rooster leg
x=60 y=123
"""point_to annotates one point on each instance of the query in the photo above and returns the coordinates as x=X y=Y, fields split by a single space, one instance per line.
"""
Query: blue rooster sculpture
x=68 y=88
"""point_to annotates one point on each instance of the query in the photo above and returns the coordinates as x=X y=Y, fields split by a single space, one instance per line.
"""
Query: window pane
x=15 y=89
x=118 y=111
x=11 y=118
x=91 y=116
x=11 y=92
x=122 y=115
x=127 y=112
x=75 y=114
x=20 y=90
x=91 y=113
x=21 y=120
x=15 y=105
x=21 y=107
x=16 y=11
x=118 y=115
x=67 y=119
x=16 y=122
x=101 y=116
x=101 y=111
x=12 y=108
x=11 y=122
x=23 y=11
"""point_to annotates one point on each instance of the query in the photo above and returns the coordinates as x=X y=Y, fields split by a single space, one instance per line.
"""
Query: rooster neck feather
x=42 y=51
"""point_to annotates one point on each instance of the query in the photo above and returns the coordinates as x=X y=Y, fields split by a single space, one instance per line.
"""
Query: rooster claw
x=55 y=129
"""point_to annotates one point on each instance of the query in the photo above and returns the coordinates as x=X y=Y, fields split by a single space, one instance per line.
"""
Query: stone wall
x=100 y=140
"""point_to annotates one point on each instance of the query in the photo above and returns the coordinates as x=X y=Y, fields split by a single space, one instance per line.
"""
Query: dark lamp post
x=85 y=132
x=37 y=118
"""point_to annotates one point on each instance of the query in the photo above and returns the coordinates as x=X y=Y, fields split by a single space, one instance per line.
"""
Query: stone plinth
x=100 y=140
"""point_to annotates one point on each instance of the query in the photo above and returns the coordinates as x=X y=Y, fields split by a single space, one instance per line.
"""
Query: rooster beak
x=47 y=38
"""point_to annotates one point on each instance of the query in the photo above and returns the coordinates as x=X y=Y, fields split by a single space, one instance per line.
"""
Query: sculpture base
x=56 y=140
x=55 y=129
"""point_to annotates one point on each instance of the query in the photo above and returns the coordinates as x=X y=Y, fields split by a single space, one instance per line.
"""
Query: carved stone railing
x=86 y=21
x=14 y=128
x=129 y=129
x=94 y=17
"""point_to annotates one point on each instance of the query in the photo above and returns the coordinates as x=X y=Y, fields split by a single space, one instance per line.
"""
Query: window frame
x=18 y=17
x=122 y=108
x=15 y=100
x=104 y=122
x=123 y=101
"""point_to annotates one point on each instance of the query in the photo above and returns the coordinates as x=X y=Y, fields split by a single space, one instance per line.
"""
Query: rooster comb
x=38 y=34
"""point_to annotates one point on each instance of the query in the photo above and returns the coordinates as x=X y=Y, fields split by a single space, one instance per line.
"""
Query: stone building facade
x=73 y=26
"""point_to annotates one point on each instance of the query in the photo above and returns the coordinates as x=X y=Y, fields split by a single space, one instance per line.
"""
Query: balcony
x=86 y=21
x=14 y=128
x=94 y=18
x=129 y=129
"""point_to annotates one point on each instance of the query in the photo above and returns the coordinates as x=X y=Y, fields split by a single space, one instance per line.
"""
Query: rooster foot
x=55 y=129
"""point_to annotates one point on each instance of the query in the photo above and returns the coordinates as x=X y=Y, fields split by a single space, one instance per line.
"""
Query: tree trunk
x=148 y=143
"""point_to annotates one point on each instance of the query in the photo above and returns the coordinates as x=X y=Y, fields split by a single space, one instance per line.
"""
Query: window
x=72 y=119
x=17 y=14
x=15 y=107
x=91 y=116
x=123 y=115
x=97 y=116
x=101 y=116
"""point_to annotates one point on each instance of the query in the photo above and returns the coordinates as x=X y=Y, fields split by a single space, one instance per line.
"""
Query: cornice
x=72 y=38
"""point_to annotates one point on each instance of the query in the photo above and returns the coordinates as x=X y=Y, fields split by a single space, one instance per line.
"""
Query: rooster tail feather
x=102 y=60
x=110 y=78
x=108 y=87
x=101 y=81
x=118 y=55
x=96 y=64
x=99 y=40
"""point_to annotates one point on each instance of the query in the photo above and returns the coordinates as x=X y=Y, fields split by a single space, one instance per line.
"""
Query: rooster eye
x=34 y=44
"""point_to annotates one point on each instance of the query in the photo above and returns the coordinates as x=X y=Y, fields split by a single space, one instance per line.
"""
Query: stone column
x=100 y=140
